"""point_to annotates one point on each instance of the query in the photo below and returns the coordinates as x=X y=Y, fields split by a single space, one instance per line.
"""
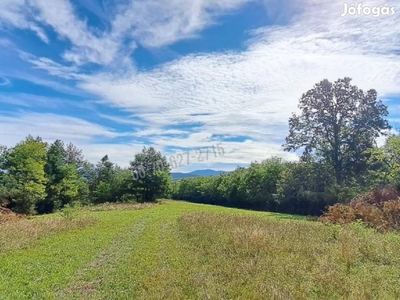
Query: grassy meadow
x=179 y=250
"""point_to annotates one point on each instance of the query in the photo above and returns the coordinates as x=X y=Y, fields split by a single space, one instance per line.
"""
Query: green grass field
x=178 y=250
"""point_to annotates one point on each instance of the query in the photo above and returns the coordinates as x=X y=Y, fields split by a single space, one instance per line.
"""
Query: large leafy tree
x=154 y=170
x=25 y=164
x=337 y=123
x=64 y=184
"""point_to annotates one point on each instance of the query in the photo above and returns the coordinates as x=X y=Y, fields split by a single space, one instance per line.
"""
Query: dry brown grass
x=120 y=206
x=245 y=257
x=19 y=231
x=7 y=215
x=23 y=232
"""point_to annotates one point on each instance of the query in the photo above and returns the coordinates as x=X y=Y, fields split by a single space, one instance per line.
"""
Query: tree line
x=37 y=177
x=334 y=134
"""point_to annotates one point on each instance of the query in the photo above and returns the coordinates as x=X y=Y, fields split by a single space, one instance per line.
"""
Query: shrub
x=339 y=214
x=6 y=215
x=379 y=208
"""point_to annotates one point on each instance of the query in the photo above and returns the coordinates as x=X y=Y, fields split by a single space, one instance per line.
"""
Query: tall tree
x=55 y=162
x=105 y=169
x=25 y=164
x=64 y=182
x=338 y=122
x=154 y=174
x=102 y=184
x=74 y=156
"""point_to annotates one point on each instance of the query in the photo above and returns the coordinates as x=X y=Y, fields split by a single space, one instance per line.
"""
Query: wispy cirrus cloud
x=254 y=92
x=150 y=23
x=86 y=135
x=198 y=99
x=13 y=13
x=16 y=126
x=159 y=23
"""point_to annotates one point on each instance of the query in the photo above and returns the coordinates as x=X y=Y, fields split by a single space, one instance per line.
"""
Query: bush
x=379 y=208
x=339 y=214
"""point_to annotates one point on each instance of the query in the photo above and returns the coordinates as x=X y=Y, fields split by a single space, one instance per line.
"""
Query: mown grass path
x=179 y=250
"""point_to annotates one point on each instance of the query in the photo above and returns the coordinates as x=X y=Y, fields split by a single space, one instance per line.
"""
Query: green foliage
x=74 y=156
x=384 y=163
x=3 y=158
x=65 y=185
x=261 y=183
x=303 y=188
x=5 y=190
x=253 y=188
x=199 y=189
x=67 y=212
x=34 y=175
x=155 y=170
x=102 y=181
x=306 y=187
x=337 y=124
x=232 y=188
x=25 y=164
x=110 y=183
x=102 y=193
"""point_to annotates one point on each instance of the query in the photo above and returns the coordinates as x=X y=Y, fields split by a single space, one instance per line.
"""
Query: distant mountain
x=197 y=173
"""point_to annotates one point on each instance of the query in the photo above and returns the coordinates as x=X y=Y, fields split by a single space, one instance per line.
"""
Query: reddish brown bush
x=391 y=213
x=378 y=209
x=339 y=214
x=7 y=215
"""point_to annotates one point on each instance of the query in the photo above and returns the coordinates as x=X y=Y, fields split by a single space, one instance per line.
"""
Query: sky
x=113 y=76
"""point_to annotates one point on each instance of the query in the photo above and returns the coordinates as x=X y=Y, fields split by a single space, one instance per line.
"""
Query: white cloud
x=52 y=67
x=14 y=13
x=250 y=93
x=123 y=120
x=120 y=154
x=159 y=23
x=253 y=93
x=151 y=23
x=33 y=101
x=50 y=127
x=6 y=42
x=87 y=46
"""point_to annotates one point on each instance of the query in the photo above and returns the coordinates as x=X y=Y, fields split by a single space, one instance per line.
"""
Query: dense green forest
x=336 y=130
x=39 y=177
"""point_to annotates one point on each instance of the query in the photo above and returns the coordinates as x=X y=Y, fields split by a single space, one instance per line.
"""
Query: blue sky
x=112 y=76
